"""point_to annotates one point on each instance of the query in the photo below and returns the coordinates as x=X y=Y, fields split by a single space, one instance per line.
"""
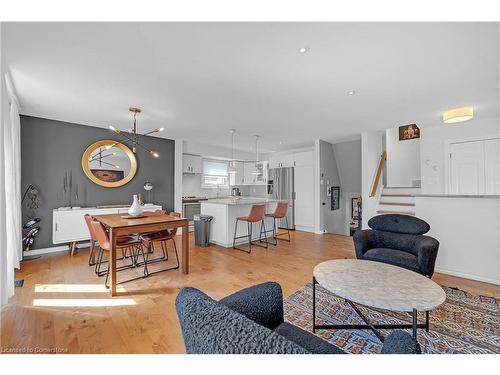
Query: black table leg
x=414 y=323
x=314 y=305
x=427 y=321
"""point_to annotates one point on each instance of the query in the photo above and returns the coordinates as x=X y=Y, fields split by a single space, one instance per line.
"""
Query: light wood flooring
x=38 y=316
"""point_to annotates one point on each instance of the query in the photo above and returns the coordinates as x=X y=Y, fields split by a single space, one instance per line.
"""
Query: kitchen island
x=226 y=210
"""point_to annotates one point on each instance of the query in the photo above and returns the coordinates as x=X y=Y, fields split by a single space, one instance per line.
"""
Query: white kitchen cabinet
x=287 y=160
x=224 y=220
x=304 y=197
x=255 y=173
x=305 y=158
x=249 y=176
x=274 y=161
x=69 y=225
x=291 y=160
x=191 y=164
x=237 y=178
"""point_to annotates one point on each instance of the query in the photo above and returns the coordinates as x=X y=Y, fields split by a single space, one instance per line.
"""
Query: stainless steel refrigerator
x=280 y=186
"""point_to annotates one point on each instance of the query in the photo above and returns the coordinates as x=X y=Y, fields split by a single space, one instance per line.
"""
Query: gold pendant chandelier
x=132 y=136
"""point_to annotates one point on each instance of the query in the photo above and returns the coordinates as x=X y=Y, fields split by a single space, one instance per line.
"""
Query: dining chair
x=122 y=243
x=162 y=237
x=94 y=246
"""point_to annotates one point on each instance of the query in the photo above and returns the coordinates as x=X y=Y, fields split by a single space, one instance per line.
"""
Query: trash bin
x=202 y=230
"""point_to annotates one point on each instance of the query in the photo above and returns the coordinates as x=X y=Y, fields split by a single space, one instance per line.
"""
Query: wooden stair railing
x=378 y=174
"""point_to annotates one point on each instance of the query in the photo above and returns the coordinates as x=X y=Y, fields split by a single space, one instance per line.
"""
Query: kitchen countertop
x=235 y=201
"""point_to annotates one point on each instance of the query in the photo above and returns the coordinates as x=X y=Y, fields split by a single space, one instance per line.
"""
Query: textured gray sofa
x=251 y=322
x=398 y=240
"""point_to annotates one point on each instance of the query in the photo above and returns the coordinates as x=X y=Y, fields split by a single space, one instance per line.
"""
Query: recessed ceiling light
x=303 y=49
x=352 y=92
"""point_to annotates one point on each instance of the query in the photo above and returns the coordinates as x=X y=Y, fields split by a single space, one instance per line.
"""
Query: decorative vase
x=135 y=209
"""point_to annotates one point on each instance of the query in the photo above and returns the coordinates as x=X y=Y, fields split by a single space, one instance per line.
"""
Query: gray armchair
x=398 y=240
x=251 y=321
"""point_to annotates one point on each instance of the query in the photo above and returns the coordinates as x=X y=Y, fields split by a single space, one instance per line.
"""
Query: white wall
x=432 y=148
x=467 y=230
x=403 y=160
x=371 y=148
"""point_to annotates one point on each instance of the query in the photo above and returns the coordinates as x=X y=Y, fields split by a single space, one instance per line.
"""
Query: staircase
x=397 y=200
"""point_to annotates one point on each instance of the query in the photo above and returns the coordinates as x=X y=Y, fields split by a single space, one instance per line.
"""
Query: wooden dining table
x=118 y=225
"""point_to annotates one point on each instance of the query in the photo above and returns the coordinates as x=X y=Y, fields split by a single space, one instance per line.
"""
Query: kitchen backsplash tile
x=191 y=185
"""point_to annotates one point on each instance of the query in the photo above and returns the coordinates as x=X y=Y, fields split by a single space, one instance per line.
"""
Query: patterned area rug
x=465 y=323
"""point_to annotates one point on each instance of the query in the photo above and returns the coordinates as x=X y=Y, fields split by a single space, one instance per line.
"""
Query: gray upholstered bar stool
x=257 y=213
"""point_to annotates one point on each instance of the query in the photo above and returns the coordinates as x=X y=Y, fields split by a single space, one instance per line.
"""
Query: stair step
x=396 y=212
x=397 y=204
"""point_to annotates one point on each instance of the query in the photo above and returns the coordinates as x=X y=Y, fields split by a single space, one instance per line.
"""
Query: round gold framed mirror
x=109 y=163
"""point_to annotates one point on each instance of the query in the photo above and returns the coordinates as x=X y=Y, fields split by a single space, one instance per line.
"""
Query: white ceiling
x=198 y=80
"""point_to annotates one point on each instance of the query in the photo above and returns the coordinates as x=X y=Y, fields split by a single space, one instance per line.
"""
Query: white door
x=492 y=166
x=304 y=196
x=467 y=168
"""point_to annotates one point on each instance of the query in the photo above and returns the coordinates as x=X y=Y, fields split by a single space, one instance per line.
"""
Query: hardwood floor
x=53 y=310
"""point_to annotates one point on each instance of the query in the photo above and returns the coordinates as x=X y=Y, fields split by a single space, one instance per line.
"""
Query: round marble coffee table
x=377 y=285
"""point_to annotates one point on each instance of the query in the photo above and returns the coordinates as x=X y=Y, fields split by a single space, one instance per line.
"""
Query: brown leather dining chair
x=149 y=241
x=280 y=213
x=94 y=246
x=257 y=214
x=123 y=243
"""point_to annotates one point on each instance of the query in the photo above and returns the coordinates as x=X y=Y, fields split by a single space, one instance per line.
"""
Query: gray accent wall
x=49 y=148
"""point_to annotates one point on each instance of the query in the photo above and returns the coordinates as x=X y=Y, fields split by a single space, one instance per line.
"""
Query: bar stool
x=122 y=243
x=280 y=213
x=161 y=237
x=257 y=213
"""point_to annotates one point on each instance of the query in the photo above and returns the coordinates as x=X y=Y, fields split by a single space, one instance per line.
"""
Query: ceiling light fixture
x=303 y=49
x=232 y=167
x=460 y=114
x=352 y=92
x=133 y=131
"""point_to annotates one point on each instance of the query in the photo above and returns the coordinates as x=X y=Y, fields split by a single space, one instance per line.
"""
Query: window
x=214 y=174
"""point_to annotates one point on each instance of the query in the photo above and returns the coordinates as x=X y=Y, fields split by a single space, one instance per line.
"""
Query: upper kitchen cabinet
x=191 y=164
x=255 y=173
x=291 y=160
x=237 y=178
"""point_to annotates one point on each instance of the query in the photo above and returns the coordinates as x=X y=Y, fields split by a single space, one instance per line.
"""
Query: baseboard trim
x=467 y=276
x=305 y=229
x=54 y=249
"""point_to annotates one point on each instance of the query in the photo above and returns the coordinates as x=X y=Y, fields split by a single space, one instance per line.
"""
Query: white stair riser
x=396 y=208
x=411 y=191
x=395 y=212
x=398 y=199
